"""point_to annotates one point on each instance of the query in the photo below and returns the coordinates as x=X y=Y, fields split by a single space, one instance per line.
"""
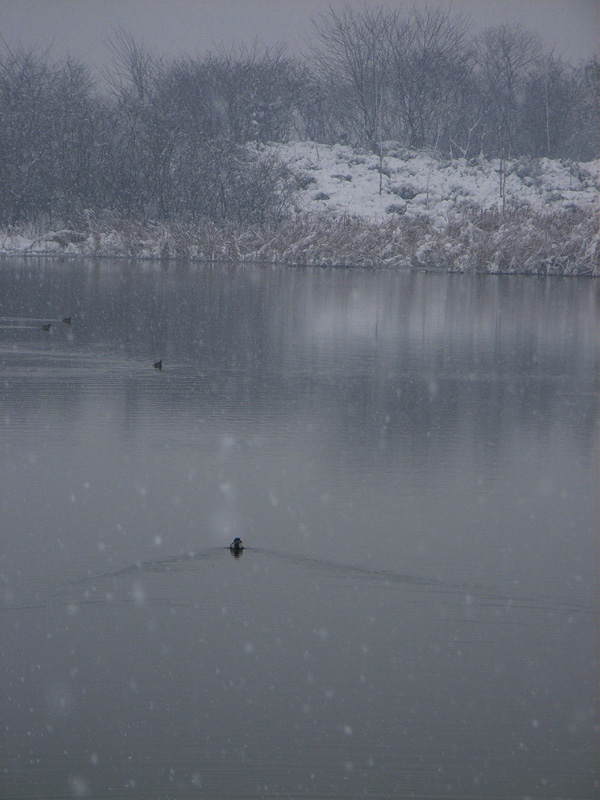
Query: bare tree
x=147 y=126
x=561 y=114
x=315 y=115
x=47 y=119
x=507 y=57
x=134 y=67
x=257 y=90
x=586 y=144
x=352 y=55
x=24 y=82
x=430 y=62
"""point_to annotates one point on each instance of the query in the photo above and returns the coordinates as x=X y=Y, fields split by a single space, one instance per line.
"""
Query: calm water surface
x=412 y=463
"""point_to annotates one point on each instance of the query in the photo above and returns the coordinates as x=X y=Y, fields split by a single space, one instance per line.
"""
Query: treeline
x=178 y=139
x=425 y=81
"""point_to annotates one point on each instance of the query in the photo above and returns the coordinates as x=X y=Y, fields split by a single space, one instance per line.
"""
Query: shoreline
x=525 y=242
x=410 y=209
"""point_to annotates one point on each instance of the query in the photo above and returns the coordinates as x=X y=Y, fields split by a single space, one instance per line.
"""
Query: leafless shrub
x=406 y=191
x=304 y=180
x=395 y=208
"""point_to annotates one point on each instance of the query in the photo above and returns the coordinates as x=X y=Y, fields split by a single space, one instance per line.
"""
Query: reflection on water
x=411 y=461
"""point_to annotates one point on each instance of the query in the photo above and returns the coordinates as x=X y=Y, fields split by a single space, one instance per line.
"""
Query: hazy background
x=81 y=27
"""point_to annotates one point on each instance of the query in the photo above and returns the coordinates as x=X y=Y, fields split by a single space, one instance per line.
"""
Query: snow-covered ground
x=409 y=209
x=343 y=180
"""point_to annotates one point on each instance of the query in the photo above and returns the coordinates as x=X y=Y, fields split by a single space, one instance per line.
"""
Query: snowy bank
x=341 y=180
x=407 y=209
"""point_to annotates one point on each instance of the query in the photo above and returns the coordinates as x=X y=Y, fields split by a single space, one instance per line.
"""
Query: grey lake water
x=411 y=460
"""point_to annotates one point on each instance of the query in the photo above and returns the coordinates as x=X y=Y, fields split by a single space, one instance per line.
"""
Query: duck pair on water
x=47 y=326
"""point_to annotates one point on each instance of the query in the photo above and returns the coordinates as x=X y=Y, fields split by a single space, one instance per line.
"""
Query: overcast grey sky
x=176 y=27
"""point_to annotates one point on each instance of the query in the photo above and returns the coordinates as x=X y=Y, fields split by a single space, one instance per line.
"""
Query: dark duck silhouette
x=47 y=326
x=237 y=545
x=157 y=364
x=67 y=320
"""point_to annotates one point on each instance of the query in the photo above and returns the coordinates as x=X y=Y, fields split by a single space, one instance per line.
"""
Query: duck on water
x=237 y=545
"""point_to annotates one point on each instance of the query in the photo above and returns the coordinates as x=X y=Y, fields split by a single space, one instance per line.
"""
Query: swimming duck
x=157 y=364
x=47 y=326
x=67 y=320
x=237 y=545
